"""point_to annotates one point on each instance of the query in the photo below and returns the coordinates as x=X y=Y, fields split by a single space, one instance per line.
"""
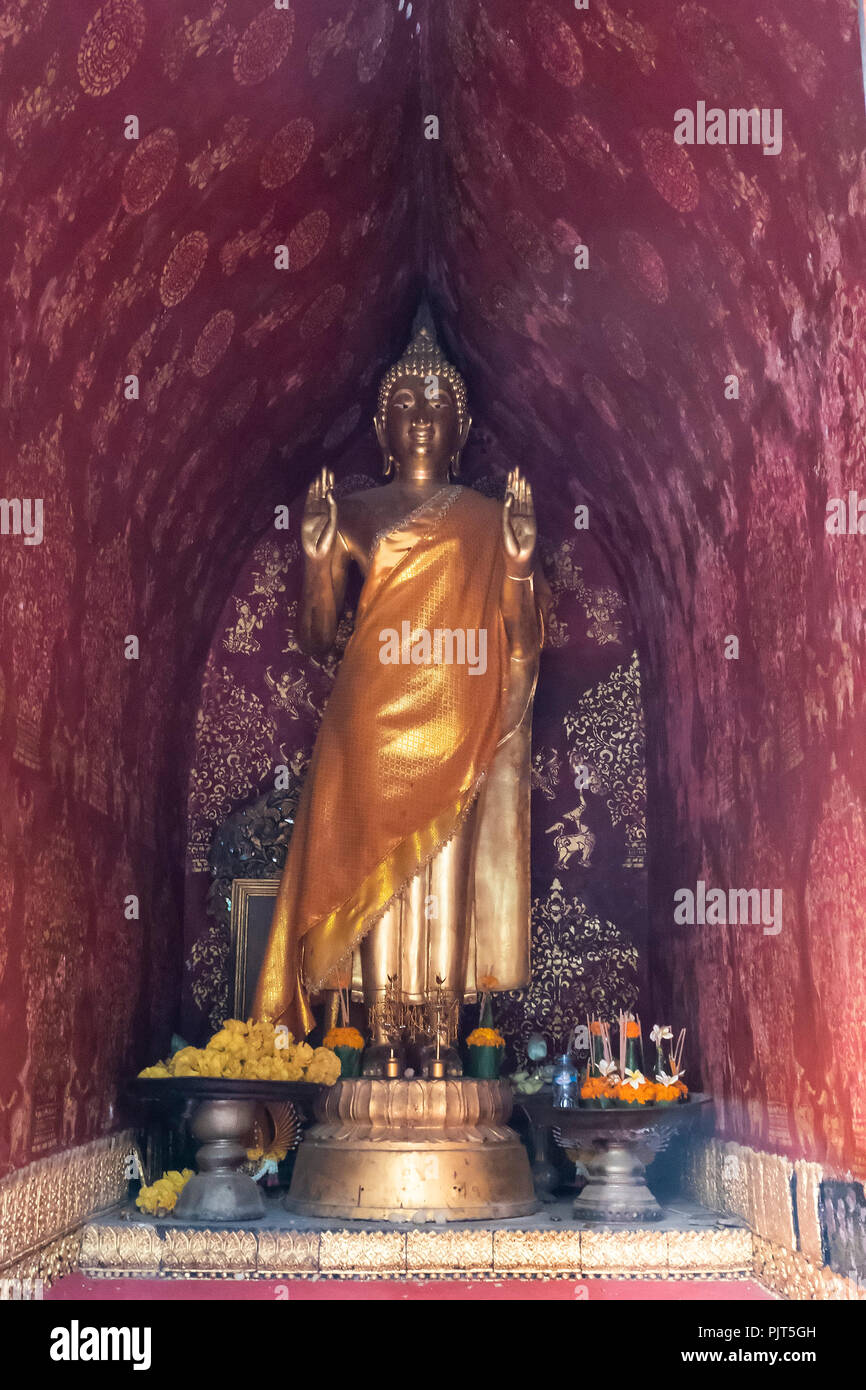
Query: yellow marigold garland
x=253 y=1052
x=159 y=1199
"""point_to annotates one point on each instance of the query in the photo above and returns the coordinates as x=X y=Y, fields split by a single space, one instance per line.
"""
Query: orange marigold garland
x=343 y=1037
x=620 y=1081
x=485 y=1037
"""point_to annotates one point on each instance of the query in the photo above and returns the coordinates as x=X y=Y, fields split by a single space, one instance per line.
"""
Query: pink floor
x=76 y=1287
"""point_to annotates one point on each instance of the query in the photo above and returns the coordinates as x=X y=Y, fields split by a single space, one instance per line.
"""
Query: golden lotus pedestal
x=414 y=1151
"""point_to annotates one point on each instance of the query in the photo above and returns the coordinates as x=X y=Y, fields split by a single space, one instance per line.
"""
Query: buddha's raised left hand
x=519 y=530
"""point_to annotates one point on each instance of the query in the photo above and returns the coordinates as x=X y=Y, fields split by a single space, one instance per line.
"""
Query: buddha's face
x=422 y=431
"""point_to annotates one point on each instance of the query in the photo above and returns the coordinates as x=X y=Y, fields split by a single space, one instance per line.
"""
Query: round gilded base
x=417 y=1151
x=414 y=1183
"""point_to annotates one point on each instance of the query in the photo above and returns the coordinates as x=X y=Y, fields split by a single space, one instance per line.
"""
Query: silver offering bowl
x=615 y=1146
x=220 y=1113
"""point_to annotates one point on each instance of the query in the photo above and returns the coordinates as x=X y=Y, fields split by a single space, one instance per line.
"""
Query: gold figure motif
x=410 y=852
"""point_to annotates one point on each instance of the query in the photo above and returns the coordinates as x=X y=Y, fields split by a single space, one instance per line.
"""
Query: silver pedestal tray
x=221 y=1113
x=616 y=1146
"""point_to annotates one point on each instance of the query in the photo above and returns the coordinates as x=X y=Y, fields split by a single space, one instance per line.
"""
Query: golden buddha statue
x=409 y=858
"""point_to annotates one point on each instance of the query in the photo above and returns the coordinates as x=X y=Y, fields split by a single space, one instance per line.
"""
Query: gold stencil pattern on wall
x=235 y=736
x=606 y=734
x=581 y=964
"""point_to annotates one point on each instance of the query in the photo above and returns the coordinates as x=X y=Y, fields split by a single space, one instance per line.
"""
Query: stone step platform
x=689 y=1242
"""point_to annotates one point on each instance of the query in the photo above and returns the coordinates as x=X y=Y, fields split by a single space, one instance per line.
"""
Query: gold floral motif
x=581 y=964
x=110 y=46
x=287 y=1252
x=362 y=1252
x=45 y=103
x=202 y=1251
x=233 y=731
x=149 y=170
x=234 y=144
x=536 y=1252
x=263 y=46
x=444 y=1252
x=212 y=343
x=39 y=1203
x=124 y=1248
x=624 y=1252
x=322 y=312
x=789 y=1274
x=286 y=152
x=52 y=1261
x=624 y=31
x=246 y=243
x=606 y=733
x=182 y=268
x=712 y=1251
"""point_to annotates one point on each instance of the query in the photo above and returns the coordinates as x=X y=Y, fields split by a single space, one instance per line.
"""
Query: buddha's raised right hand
x=319 y=526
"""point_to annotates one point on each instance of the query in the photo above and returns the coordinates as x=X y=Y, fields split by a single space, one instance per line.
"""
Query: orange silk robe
x=402 y=753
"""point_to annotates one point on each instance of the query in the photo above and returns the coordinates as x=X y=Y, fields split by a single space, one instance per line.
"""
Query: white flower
x=607 y=1069
x=634 y=1078
x=660 y=1033
x=664 y=1080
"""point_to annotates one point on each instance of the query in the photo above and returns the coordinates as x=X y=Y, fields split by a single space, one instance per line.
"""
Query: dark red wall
x=156 y=258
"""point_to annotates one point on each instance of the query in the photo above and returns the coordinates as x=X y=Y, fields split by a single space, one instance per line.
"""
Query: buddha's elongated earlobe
x=381 y=428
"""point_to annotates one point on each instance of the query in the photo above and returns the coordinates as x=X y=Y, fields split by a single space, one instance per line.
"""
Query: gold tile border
x=757 y=1187
x=809 y=1176
x=771 y=1198
x=441 y=1252
x=51 y=1261
x=52 y=1197
x=706 y=1252
x=289 y=1253
x=537 y=1252
x=203 y=1251
x=624 y=1252
x=368 y=1253
x=124 y=1248
x=789 y=1274
x=138 y=1248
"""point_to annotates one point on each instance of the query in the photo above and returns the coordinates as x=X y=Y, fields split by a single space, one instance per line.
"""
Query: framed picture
x=252 y=909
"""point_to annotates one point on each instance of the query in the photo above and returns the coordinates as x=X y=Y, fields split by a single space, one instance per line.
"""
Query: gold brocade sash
x=401 y=749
